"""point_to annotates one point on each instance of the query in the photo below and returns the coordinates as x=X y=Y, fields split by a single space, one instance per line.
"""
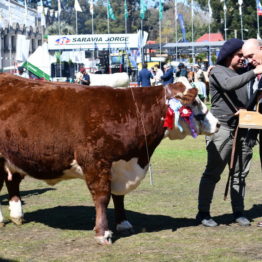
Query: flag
x=142 y=9
x=125 y=10
x=209 y=9
x=182 y=26
x=59 y=7
x=110 y=12
x=259 y=8
x=77 y=6
x=91 y=7
x=160 y=10
x=240 y=2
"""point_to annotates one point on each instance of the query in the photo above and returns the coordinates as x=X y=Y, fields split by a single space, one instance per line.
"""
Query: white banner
x=103 y=41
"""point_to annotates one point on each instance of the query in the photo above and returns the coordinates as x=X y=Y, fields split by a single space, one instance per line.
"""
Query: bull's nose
x=218 y=125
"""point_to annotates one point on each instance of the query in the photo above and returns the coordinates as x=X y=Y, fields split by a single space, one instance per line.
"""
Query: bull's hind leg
x=122 y=224
x=15 y=204
x=99 y=186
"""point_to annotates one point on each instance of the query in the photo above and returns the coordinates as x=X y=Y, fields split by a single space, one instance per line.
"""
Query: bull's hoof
x=17 y=221
x=106 y=239
x=125 y=228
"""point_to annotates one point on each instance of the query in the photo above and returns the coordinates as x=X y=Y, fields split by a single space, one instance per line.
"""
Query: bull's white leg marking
x=9 y=174
x=124 y=226
x=10 y=167
x=105 y=239
x=1 y=217
x=16 y=212
x=126 y=176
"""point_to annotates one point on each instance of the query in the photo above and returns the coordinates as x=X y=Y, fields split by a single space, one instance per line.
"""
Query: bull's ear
x=189 y=96
x=174 y=90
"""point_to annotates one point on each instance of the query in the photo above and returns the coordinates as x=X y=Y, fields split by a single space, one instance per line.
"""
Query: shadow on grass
x=252 y=213
x=25 y=194
x=7 y=260
x=83 y=218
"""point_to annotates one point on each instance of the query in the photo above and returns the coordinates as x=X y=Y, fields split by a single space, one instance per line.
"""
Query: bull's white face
x=203 y=121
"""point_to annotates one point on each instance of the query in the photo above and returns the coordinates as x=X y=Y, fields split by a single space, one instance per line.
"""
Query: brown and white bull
x=105 y=136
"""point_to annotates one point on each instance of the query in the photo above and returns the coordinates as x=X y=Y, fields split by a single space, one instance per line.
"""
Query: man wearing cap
x=85 y=78
x=182 y=71
x=228 y=90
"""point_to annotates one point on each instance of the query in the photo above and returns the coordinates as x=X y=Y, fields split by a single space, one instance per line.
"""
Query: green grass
x=59 y=220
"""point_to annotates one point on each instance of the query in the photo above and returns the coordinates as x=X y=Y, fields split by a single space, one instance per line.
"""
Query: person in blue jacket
x=168 y=76
x=144 y=76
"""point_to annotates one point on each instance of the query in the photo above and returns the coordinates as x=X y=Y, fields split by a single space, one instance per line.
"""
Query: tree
x=233 y=17
x=66 y=29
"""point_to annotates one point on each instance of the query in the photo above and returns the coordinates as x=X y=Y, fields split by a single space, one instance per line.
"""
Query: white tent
x=39 y=63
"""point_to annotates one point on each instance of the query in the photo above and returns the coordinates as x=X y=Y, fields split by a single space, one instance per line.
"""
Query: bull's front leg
x=122 y=224
x=100 y=187
x=15 y=204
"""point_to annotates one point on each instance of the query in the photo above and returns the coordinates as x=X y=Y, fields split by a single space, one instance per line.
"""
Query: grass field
x=59 y=220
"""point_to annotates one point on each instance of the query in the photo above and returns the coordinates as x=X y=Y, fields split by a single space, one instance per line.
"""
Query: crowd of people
x=168 y=74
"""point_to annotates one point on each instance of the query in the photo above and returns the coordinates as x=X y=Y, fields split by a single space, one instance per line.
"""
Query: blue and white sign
x=101 y=41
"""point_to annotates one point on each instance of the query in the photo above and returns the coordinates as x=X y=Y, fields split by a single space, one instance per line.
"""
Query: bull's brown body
x=45 y=127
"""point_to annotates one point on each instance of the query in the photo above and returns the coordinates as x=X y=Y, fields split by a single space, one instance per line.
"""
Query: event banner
x=99 y=41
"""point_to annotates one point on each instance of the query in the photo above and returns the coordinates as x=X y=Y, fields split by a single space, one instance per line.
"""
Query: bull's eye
x=194 y=103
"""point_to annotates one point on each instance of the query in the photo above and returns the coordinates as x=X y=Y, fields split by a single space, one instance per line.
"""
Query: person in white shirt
x=158 y=74
x=21 y=71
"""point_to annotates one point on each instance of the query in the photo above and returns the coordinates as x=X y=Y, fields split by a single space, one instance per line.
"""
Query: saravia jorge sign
x=98 y=41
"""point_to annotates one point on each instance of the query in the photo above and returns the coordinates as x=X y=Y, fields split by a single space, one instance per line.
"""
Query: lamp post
x=225 y=19
x=176 y=25
x=192 y=22
x=240 y=2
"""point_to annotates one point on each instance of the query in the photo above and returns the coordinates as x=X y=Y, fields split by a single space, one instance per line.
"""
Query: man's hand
x=258 y=70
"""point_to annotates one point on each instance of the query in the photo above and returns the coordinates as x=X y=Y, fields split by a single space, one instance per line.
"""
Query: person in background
x=199 y=74
x=182 y=71
x=199 y=82
x=82 y=77
x=21 y=71
x=168 y=76
x=158 y=74
x=144 y=76
x=228 y=89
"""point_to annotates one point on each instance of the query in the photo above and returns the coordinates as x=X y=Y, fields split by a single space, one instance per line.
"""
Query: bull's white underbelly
x=126 y=175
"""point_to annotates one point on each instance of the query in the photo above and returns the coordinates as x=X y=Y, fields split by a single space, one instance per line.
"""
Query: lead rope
x=144 y=130
x=232 y=160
